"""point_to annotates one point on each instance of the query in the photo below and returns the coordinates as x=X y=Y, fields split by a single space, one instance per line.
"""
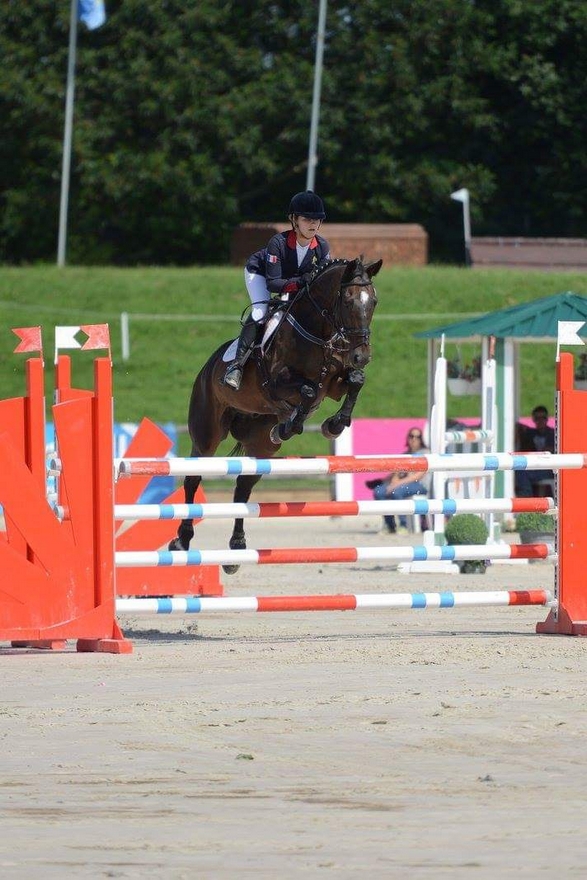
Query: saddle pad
x=230 y=353
x=270 y=328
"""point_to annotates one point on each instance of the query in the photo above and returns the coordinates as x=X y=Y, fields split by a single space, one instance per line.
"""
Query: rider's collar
x=292 y=241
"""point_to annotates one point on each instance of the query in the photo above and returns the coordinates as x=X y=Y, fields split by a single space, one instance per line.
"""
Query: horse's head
x=358 y=299
x=338 y=304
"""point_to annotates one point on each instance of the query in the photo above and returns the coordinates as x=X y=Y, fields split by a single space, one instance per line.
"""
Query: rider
x=282 y=267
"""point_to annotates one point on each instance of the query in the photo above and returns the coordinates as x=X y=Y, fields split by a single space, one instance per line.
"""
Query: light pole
x=312 y=154
x=462 y=195
x=67 y=135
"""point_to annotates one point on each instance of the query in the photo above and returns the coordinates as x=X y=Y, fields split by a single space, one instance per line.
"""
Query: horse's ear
x=351 y=268
x=373 y=268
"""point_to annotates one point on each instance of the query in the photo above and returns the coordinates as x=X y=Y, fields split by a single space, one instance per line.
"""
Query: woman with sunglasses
x=400 y=485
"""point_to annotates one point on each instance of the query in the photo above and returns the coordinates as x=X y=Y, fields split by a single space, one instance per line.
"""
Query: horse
x=319 y=350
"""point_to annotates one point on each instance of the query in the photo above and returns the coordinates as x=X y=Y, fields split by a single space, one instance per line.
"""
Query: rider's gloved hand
x=305 y=278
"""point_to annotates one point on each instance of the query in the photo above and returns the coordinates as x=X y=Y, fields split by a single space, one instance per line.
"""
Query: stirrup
x=233 y=376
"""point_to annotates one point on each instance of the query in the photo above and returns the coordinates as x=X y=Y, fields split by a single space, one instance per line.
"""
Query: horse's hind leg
x=256 y=443
x=185 y=532
x=207 y=426
x=242 y=493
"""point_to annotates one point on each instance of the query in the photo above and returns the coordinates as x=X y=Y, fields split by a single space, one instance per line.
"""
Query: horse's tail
x=237 y=450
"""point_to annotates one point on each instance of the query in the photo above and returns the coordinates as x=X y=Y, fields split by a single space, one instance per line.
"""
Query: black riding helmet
x=308 y=204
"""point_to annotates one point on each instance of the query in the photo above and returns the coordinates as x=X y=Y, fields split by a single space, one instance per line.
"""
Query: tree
x=192 y=118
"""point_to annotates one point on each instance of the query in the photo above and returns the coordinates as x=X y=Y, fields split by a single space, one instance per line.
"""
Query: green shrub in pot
x=535 y=528
x=542 y=523
x=467 y=528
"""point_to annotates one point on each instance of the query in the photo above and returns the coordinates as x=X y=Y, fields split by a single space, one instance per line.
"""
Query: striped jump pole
x=342 y=602
x=344 y=464
x=472 y=435
x=252 y=510
x=300 y=555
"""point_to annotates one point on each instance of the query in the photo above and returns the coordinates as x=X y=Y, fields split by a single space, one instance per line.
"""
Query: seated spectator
x=400 y=485
x=540 y=438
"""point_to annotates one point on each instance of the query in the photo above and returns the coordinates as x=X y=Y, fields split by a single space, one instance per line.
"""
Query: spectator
x=540 y=438
x=400 y=485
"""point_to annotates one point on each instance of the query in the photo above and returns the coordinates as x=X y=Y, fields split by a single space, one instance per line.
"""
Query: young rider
x=282 y=267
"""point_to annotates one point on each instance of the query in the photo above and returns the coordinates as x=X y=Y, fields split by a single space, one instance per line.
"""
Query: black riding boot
x=246 y=341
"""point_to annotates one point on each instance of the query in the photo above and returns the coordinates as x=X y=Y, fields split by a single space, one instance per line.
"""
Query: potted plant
x=463 y=380
x=535 y=528
x=467 y=528
x=581 y=373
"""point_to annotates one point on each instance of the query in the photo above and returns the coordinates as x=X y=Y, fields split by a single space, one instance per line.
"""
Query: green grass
x=206 y=303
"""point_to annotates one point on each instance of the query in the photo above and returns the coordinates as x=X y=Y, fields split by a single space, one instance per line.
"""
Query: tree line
x=193 y=116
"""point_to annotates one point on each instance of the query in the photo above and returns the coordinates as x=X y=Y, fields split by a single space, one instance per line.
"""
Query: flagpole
x=67 y=136
x=312 y=147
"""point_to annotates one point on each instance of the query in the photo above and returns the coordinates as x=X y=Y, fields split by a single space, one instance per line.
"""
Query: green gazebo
x=535 y=321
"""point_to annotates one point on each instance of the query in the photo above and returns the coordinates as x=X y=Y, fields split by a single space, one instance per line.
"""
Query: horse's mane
x=324 y=265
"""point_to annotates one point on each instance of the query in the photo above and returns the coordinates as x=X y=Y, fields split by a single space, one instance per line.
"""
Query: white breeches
x=258 y=294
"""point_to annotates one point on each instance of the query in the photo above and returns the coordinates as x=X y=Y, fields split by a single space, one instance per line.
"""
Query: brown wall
x=396 y=244
x=530 y=253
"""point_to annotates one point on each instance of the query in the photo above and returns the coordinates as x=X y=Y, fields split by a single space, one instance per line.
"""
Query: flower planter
x=529 y=536
x=462 y=387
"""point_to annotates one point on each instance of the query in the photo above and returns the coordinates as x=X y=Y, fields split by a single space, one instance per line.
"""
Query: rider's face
x=306 y=227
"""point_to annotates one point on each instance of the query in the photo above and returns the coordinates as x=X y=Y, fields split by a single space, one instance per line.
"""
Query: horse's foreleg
x=295 y=423
x=335 y=425
x=185 y=532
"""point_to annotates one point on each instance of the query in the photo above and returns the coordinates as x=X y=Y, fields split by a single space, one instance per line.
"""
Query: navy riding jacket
x=278 y=262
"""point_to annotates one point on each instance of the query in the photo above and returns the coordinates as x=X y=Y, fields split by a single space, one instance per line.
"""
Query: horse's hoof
x=175 y=545
x=274 y=435
x=330 y=433
x=230 y=569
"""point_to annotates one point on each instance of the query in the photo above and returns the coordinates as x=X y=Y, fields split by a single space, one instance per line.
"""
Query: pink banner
x=384 y=436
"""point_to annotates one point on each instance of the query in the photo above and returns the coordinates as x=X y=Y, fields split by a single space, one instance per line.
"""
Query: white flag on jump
x=568 y=334
x=65 y=338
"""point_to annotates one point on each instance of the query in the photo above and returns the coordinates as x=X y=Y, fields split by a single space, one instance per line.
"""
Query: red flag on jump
x=30 y=339
x=98 y=336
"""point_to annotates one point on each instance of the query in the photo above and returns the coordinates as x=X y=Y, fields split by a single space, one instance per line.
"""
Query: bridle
x=343 y=337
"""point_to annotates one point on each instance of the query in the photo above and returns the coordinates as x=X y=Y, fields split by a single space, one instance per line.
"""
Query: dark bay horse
x=318 y=351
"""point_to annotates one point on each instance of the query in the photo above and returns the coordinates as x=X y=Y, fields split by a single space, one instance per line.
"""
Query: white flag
x=65 y=338
x=568 y=332
x=460 y=195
